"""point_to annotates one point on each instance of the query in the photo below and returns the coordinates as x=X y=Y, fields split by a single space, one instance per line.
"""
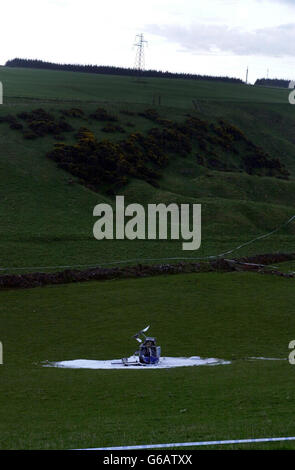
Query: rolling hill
x=46 y=217
x=227 y=146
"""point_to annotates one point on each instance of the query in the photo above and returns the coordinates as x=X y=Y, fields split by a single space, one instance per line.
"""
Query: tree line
x=112 y=70
x=273 y=82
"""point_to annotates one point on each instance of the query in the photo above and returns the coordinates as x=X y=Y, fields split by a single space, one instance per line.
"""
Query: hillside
x=46 y=216
x=71 y=140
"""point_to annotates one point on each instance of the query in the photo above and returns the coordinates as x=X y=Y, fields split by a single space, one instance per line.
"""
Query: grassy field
x=28 y=84
x=46 y=222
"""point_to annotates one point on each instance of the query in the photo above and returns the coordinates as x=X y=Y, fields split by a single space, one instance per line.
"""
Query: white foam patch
x=164 y=363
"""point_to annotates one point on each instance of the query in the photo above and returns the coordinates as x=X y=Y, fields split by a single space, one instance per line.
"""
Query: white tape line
x=193 y=444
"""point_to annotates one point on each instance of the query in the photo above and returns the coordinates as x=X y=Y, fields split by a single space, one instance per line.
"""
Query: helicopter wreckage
x=147 y=354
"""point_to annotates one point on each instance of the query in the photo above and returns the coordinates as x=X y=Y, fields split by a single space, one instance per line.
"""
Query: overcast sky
x=212 y=37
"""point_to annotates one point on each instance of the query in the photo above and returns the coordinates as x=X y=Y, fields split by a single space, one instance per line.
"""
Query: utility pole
x=247 y=75
x=139 y=58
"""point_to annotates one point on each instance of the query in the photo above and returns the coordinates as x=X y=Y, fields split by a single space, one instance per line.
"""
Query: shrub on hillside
x=105 y=163
x=41 y=123
x=108 y=165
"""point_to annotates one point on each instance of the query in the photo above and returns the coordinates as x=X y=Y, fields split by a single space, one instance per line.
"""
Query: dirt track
x=259 y=263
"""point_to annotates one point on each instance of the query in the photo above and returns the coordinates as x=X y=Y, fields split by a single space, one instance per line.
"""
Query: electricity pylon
x=139 y=58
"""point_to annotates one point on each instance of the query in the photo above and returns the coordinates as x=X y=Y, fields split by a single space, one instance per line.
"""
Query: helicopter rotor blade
x=141 y=332
x=145 y=329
